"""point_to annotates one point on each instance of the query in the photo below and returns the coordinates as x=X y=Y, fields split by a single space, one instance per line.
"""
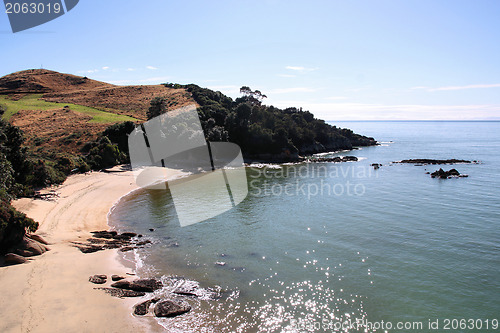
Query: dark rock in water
x=115 y=277
x=142 y=308
x=126 y=248
x=446 y=174
x=147 y=285
x=151 y=229
x=139 y=236
x=123 y=292
x=171 y=308
x=104 y=234
x=102 y=240
x=425 y=161
x=376 y=165
x=14 y=259
x=122 y=237
x=349 y=158
x=98 y=279
x=143 y=243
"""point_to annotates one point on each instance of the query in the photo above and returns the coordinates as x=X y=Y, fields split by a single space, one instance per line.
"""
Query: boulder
x=39 y=239
x=14 y=259
x=115 y=277
x=147 y=285
x=142 y=308
x=30 y=247
x=349 y=158
x=98 y=279
x=171 y=308
x=446 y=174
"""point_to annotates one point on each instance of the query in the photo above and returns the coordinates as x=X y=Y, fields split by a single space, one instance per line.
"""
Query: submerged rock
x=171 y=308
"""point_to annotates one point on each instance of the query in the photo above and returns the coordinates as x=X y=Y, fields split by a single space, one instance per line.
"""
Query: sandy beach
x=51 y=293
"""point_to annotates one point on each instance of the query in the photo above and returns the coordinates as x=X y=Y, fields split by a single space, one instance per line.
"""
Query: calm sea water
x=315 y=247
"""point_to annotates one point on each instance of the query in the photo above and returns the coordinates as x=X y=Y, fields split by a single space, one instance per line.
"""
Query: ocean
x=342 y=247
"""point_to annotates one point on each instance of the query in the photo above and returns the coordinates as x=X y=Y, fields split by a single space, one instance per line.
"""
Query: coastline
x=51 y=293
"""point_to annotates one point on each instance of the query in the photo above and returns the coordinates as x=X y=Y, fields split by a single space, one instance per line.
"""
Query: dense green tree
x=261 y=129
x=158 y=106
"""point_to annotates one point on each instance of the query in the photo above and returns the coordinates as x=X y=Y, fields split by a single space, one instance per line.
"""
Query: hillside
x=61 y=113
x=51 y=86
x=34 y=81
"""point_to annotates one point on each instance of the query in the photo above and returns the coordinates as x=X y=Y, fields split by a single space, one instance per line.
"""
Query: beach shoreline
x=51 y=293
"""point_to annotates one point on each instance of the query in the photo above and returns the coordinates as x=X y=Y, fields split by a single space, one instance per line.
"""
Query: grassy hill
x=60 y=113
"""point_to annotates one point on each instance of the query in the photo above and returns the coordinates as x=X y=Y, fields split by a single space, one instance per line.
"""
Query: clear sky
x=342 y=60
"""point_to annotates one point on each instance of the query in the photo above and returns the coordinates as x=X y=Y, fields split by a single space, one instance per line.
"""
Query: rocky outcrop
x=425 y=161
x=29 y=247
x=14 y=259
x=171 y=308
x=146 y=285
x=142 y=308
x=103 y=240
x=98 y=278
x=336 y=159
x=123 y=292
x=115 y=277
x=453 y=173
x=38 y=239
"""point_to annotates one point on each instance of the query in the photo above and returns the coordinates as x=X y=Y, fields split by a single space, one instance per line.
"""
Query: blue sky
x=342 y=60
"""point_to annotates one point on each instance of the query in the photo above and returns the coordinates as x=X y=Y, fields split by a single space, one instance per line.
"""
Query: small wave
x=265 y=165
